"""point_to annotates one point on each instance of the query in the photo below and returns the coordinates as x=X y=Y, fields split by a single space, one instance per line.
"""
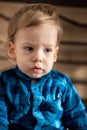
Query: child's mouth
x=36 y=69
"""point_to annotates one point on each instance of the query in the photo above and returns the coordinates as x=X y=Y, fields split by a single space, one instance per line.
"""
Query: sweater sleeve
x=3 y=108
x=74 y=115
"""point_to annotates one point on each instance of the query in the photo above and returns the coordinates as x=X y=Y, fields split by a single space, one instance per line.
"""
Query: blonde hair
x=33 y=14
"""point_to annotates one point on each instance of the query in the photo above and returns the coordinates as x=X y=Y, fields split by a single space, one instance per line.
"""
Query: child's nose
x=37 y=57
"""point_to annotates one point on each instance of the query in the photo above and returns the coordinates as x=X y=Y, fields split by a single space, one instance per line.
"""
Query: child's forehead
x=46 y=26
x=45 y=33
x=37 y=44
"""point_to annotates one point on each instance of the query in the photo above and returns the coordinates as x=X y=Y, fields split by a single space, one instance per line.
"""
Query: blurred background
x=72 y=56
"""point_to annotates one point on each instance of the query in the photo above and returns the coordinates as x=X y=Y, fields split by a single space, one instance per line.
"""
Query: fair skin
x=35 y=49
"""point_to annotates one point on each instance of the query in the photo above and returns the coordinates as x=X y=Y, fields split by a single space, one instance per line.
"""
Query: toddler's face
x=35 y=49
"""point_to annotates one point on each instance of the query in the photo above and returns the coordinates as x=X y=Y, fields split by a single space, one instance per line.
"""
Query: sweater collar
x=25 y=77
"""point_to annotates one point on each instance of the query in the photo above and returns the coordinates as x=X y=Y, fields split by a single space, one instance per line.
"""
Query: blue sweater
x=48 y=103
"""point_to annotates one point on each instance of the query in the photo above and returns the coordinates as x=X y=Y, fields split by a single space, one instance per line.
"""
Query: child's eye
x=48 y=50
x=29 y=48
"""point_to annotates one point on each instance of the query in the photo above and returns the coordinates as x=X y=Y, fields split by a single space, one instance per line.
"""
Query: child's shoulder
x=58 y=75
x=7 y=73
x=62 y=80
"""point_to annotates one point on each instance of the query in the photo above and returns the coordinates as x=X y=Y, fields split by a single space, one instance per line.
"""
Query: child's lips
x=36 y=69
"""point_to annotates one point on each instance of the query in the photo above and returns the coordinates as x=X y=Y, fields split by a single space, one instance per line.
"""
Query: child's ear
x=56 y=53
x=11 y=50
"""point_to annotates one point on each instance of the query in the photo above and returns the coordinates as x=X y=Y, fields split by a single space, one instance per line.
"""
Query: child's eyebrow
x=49 y=45
x=36 y=44
x=28 y=43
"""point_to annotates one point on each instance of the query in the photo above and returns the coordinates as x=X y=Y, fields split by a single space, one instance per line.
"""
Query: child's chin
x=36 y=76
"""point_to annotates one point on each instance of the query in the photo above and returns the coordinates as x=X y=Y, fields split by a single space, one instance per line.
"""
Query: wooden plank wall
x=72 y=56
